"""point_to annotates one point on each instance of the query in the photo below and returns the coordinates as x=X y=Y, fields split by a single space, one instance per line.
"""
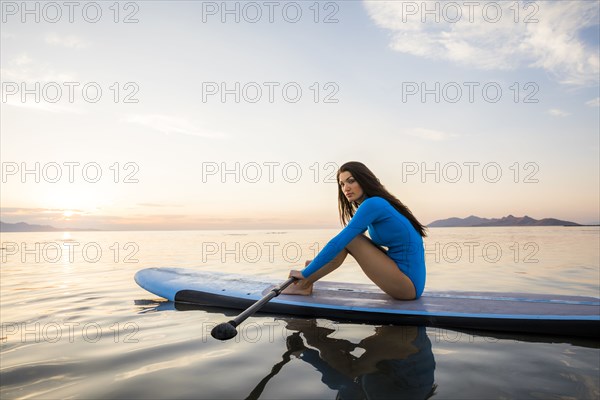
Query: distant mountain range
x=504 y=221
x=25 y=227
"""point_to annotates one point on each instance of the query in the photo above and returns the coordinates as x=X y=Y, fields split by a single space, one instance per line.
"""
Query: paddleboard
x=507 y=312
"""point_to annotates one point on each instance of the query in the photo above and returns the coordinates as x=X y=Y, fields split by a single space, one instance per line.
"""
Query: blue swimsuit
x=387 y=227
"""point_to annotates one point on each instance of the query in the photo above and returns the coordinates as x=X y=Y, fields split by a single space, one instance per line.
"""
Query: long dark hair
x=371 y=187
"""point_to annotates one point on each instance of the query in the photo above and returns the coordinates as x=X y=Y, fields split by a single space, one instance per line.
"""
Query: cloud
x=42 y=106
x=593 y=102
x=23 y=74
x=22 y=59
x=156 y=205
x=432 y=135
x=169 y=124
x=23 y=68
x=23 y=211
x=69 y=41
x=558 y=112
x=553 y=43
x=37 y=214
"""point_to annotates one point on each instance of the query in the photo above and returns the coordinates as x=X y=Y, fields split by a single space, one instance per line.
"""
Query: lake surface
x=75 y=324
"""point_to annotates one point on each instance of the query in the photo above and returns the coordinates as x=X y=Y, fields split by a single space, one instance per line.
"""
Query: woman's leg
x=377 y=265
x=381 y=269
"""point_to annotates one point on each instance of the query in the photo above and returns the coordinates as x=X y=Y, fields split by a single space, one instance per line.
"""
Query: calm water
x=75 y=324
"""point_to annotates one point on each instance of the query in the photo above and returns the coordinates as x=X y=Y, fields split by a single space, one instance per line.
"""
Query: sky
x=236 y=115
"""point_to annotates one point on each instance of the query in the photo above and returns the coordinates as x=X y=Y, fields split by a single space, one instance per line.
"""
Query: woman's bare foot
x=297 y=289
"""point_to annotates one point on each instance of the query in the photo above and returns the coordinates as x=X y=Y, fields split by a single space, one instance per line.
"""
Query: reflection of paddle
x=294 y=343
x=226 y=330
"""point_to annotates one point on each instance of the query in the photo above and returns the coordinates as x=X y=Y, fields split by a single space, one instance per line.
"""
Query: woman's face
x=350 y=187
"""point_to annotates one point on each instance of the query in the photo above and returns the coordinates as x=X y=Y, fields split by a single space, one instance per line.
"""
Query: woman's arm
x=370 y=209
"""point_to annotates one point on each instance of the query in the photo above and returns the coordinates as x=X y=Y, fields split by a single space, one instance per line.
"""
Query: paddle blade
x=224 y=331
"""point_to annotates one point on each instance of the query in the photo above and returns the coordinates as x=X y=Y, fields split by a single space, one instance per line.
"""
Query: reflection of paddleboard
x=512 y=312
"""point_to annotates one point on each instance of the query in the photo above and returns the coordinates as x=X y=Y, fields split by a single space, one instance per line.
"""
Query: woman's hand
x=296 y=274
x=300 y=287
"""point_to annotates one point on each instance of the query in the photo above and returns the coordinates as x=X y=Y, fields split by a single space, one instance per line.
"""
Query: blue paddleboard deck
x=507 y=312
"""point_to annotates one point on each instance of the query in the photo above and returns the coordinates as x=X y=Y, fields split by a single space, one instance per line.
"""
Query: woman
x=364 y=203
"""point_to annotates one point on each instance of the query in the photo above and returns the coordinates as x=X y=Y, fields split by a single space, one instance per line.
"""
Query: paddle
x=226 y=330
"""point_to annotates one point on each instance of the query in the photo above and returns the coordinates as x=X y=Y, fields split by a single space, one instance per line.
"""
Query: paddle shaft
x=256 y=306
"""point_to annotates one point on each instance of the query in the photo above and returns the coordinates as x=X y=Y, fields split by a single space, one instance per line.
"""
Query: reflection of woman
x=397 y=362
x=366 y=204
